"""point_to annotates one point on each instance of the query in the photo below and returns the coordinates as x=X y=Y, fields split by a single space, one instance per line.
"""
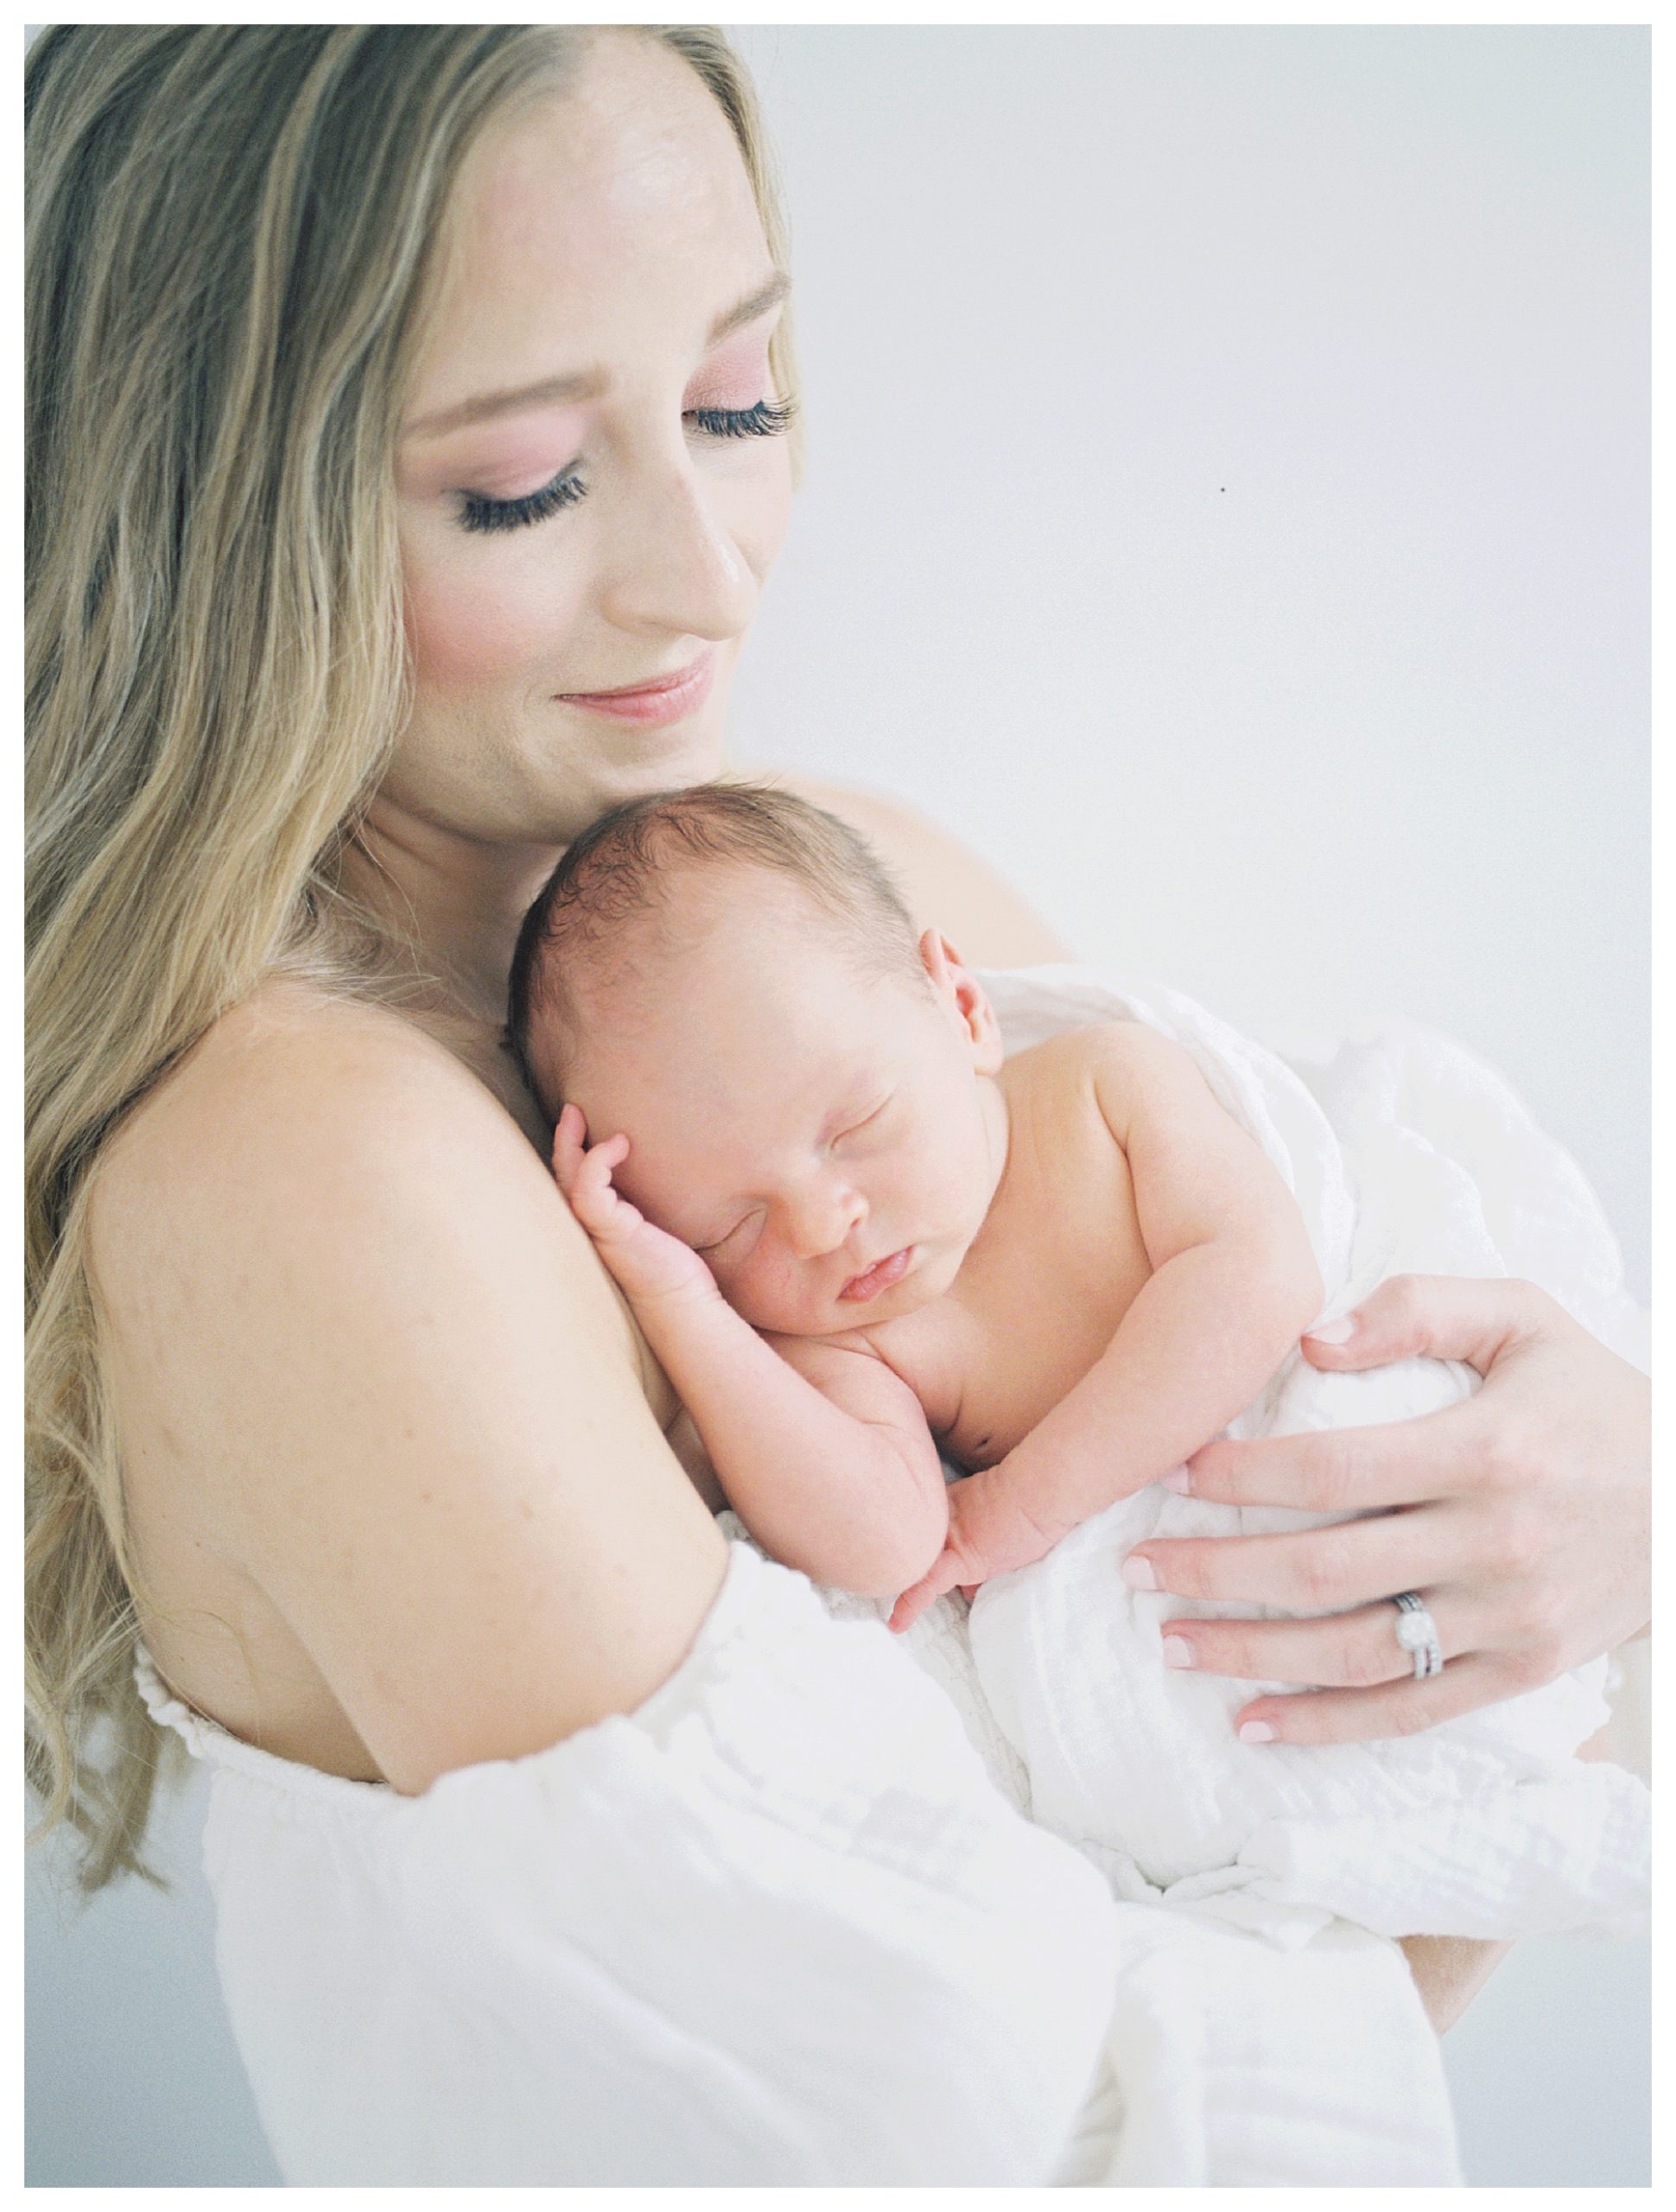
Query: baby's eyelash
x=716 y=1242
x=866 y=1120
x=479 y=511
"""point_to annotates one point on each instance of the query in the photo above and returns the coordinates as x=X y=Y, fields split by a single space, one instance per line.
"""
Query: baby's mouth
x=880 y=1276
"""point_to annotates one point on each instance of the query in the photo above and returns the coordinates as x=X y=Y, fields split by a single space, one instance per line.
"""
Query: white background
x=1225 y=510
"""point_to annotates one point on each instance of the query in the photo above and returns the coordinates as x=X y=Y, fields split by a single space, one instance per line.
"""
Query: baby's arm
x=830 y=1464
x=1233 y=1284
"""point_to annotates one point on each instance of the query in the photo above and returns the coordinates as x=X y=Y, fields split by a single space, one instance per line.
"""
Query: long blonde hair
x=231 y=230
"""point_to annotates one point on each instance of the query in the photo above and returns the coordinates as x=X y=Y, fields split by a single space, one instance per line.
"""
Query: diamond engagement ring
x=1417 y=1633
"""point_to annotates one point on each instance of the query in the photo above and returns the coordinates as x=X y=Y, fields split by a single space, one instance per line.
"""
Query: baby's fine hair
x=628 y=864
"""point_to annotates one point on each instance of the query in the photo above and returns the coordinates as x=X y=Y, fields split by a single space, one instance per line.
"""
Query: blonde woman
x=411 y=425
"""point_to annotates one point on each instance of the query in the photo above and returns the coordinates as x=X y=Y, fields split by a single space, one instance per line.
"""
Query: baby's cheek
x=765 y=1295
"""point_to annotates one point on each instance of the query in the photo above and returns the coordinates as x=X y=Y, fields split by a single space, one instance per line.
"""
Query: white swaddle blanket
x=1405 y=1154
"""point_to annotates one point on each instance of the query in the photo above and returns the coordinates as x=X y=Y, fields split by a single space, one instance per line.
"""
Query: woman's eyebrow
x=587 y=383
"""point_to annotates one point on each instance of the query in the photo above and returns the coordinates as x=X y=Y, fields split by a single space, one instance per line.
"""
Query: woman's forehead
x=614 y=213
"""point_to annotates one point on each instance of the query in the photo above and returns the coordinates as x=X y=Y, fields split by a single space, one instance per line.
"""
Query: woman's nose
x=675 y=568
x=821 y=1218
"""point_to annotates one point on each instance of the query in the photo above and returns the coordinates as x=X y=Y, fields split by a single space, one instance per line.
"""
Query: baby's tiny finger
x=567 y=1149
x=915 y=1599
x=594 y=1188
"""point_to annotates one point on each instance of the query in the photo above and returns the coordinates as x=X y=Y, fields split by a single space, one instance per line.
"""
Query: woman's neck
x=463 y=899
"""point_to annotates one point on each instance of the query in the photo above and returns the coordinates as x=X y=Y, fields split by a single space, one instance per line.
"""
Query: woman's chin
x=661 y=760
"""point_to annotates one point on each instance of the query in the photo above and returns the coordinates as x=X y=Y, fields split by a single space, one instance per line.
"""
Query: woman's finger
x=1361 y=1716
x=1311 y=1570
x=1337 y=1470
x=1442 y=1317
x=1353 y=1650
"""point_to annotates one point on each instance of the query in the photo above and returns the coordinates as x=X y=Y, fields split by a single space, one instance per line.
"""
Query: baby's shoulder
x=1096 y=1062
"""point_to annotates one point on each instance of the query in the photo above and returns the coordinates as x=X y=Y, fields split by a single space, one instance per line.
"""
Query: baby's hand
x=646 y=1260
x=989 y=1533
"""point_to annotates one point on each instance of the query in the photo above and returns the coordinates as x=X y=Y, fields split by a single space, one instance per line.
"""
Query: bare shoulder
x=1107 y=1060
x=291 y=1081
x=362 y=1354
x=313 y=1129
x=948 y=888
x=1132 y=1069
x=288 y=1098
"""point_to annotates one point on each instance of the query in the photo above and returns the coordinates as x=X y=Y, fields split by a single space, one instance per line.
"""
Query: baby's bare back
x=1056 y=1266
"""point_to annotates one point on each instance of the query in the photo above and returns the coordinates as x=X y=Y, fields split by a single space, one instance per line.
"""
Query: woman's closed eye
x=479 y=511
x=768 y=418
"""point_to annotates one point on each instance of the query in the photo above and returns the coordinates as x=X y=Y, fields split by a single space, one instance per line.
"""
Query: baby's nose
x=823 y=1220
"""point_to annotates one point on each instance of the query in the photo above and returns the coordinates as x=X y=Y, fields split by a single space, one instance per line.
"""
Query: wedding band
x=1417 y=1633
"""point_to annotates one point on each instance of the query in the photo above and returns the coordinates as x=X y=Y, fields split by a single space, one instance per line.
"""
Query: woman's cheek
x=764 y=511
x=467 y=629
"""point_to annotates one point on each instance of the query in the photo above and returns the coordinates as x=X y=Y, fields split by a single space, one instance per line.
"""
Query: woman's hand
x=1522 y=1517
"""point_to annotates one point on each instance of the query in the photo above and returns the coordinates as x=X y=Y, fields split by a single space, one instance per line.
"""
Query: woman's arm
x=1449 y=1971
x=402 y=1397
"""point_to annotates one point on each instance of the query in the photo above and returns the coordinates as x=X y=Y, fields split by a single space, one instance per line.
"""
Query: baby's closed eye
x=733 y=1236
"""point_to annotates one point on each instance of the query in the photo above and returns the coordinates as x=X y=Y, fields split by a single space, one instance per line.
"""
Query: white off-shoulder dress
x=780 y=1925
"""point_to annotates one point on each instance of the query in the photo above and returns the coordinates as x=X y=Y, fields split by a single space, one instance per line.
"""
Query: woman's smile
x=659 y=700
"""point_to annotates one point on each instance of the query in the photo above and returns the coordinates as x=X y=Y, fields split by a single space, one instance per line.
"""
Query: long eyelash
x=479 y=511
x=767 y=419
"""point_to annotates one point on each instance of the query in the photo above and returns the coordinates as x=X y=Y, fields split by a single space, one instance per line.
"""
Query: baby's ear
x=964 y=996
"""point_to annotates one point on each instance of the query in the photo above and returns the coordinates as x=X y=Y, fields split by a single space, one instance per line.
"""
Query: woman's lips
x=880 y=1276
x=664 y=699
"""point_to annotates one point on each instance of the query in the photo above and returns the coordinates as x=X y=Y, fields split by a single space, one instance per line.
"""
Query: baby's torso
x=1056 y=1266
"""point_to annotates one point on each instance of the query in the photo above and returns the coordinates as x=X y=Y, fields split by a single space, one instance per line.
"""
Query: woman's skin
x=394 y=1454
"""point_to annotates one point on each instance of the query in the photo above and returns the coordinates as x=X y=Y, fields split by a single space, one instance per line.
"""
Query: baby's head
x=726 y=975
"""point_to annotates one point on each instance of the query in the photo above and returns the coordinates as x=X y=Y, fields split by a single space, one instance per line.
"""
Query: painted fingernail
x=1256 y=1732
x=1334 y=1332
x=1179 y=1652
x=1139 y=1573
x=1179 y=1480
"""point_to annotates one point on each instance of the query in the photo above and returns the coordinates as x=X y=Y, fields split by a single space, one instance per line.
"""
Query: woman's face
x=590 y=482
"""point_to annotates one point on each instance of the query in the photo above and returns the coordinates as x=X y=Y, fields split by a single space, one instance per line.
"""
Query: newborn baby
x=853 y=1232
